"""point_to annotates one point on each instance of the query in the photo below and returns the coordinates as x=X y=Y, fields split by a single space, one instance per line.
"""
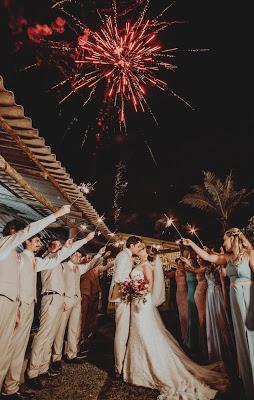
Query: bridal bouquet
x=139 y=289
x=125 y=289
x=134 y=289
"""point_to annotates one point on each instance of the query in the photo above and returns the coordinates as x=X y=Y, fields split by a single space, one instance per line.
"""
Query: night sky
x=217 y=136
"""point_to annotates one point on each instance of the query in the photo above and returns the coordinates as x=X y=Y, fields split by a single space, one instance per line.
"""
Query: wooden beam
x=93 y=214
x=4 y=166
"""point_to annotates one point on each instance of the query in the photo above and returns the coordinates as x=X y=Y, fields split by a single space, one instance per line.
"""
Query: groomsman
x=52 y=307
x=30 y=265
x=14 y=234
x=91 y=294
x=72 y=270
x=122 y=270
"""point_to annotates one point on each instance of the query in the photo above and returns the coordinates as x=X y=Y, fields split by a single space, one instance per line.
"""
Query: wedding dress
x=154 y=358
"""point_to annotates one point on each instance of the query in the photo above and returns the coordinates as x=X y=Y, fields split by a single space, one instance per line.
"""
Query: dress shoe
x=82 y=355
x=34 y=383
x=56 y=366
x=75 y=360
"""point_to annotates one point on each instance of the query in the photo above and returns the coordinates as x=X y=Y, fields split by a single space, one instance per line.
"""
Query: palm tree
x=217 y=197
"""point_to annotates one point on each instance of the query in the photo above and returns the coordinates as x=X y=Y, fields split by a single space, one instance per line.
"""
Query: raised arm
x=10 y=242
x=220 y=259
x=67 y=250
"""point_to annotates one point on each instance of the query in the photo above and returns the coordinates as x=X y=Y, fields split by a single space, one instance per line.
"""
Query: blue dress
x=220 y=342
x=242 y=309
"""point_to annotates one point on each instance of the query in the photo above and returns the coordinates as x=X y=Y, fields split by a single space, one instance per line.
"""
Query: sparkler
x=120 y=187
x=85 y=188
x=170 y=222
x=99 y=221
x=193 y=231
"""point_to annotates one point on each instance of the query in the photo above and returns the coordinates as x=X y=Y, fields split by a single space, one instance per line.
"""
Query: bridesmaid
x=239 y=267
x=220 y=341
x=191 y=341
x=200 y=301
x=182 y=297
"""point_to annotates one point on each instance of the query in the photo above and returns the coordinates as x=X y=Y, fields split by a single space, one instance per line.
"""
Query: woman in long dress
x=181 y=297
x=239 y=267
x=154 y=358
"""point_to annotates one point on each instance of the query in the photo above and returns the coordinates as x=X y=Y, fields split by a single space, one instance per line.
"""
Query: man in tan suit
x=52 y=307
x=10 y=261
x=122 y=270
x=30 y=265
x=71 y=317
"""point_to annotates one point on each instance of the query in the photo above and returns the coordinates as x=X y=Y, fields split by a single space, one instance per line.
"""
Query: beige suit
x=30 y=265
x=10 y=264
x=52 y=308
x=72 y=313
x=122 y=270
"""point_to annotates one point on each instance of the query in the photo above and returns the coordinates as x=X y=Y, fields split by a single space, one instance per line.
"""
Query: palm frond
x=196 y=201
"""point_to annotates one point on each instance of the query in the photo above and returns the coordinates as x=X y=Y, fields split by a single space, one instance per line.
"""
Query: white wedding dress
x=154 y=358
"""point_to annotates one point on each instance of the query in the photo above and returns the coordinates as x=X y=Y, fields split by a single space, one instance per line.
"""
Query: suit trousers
x=71 y=317
x=18 y=347
x=8 y=315
x=122 y=319
x=90 y=310
x=52 y=308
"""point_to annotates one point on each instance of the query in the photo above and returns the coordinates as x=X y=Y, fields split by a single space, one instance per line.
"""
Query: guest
x=91 y=294
x=239 y=266
x=220 y=341
x=71 y=317
x=91 y=262
x=52 y=307
x=30 y=265
x=14 y=234
x=192 y=338
x=182 y=297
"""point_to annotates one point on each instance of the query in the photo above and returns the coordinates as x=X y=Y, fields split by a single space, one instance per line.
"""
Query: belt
x=237 y=283
x=52 y=292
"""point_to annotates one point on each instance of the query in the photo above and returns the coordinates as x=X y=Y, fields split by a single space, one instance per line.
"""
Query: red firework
x=127 y=59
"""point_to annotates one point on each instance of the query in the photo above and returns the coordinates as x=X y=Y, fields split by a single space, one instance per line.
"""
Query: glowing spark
x=86 y=188
x=170 y=222
x=193 y=231
x=120 y=188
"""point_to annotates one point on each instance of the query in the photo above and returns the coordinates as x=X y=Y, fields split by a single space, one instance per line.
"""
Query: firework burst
x=127 y=59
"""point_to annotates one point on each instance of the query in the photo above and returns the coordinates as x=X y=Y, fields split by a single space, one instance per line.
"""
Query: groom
x=122 y=270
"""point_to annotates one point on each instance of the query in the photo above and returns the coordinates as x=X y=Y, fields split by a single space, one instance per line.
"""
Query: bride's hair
x=241 y=246
x=152 y=253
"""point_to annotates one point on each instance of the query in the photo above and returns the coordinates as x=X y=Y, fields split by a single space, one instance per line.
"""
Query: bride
x=154 y=358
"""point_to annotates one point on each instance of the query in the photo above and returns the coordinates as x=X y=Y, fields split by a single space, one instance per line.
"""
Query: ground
x=93 y=380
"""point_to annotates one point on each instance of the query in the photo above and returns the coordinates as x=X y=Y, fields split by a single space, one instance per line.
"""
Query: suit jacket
x=10 y=260
x=53 y=279
x=122 y=270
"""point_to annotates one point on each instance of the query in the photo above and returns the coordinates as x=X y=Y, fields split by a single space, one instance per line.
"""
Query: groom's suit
x=122 y=270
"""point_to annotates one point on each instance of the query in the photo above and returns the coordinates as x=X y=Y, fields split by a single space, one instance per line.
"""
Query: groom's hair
x=132 y=240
